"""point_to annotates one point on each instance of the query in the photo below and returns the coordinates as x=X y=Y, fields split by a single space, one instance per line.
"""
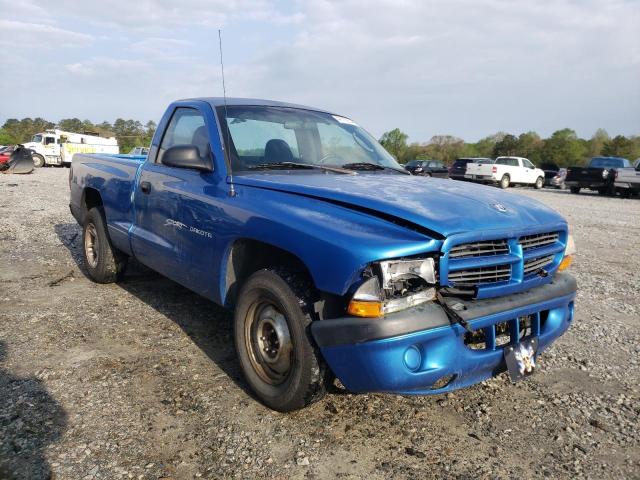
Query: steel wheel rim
x=90 y=245
x=268 y=342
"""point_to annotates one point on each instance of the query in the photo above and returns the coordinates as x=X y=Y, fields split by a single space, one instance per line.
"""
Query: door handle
x=145 y=187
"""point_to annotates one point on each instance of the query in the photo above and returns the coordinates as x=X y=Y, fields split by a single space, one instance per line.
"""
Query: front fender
x=334 y=242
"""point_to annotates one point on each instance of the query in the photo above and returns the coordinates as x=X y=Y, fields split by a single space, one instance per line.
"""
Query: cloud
x=37 y=35
x=106 y=67
x=155 y=15
x=464 y=67
x=165 y=49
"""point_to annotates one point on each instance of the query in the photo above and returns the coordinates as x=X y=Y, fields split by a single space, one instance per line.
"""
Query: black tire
x=292 y=374
x=505 y=181
x=38 y=160
x=575 y=189
x=539 y=183
x=104 y=263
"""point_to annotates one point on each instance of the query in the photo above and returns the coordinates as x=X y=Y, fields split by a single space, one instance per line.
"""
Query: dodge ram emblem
x=499 y=207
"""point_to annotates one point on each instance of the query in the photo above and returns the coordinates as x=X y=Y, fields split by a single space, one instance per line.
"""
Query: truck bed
x=113 y=175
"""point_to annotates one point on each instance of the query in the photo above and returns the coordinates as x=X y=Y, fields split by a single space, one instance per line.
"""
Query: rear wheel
x=276 y=353
x=539 y=183
x=38 y=160
x=104 y=263
x=575 y=189
x=505 y=181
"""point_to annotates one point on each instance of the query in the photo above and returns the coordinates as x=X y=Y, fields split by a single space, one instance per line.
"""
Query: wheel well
x=91 y=198
x=248 y=256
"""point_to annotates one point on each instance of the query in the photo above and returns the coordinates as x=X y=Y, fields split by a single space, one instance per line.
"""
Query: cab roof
x=237 y=101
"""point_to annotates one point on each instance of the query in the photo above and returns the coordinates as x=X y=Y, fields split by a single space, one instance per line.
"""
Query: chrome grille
x=533 y=265
x=538 y=240
x=479 y=249
x=475 y=276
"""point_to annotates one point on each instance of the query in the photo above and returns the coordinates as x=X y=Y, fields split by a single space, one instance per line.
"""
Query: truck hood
x=440 y=206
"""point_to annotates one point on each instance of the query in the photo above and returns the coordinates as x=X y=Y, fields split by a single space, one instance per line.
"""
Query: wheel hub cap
x=268 y=342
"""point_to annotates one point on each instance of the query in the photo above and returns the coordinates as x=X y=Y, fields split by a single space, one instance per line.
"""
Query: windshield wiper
x=295 y=165
x=371 y=166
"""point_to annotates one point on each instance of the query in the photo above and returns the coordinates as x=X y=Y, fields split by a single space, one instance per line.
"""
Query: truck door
x=175 y=208
x=529 y=171
x=51 y=147
x=512 y=167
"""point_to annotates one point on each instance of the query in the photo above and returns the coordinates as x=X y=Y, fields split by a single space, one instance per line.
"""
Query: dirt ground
x=139 y=379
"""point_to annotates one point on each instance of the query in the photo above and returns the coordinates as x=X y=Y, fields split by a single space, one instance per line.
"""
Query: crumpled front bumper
x=418 y=351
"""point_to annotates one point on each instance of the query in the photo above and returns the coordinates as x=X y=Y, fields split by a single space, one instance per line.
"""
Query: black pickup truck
x=597 y=176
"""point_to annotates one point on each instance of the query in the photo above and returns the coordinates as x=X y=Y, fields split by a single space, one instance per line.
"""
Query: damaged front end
x=411 y=329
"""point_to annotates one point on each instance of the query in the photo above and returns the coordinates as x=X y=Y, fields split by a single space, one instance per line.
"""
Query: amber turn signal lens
x=365 y=309
x=565 y=263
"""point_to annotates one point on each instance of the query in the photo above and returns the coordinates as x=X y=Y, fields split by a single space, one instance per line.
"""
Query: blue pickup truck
x=335 y=261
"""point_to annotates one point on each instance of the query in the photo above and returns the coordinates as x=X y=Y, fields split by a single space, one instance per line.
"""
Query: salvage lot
x=139 y=379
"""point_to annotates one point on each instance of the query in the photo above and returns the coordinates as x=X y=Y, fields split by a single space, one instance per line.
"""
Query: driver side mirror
x=186 y=156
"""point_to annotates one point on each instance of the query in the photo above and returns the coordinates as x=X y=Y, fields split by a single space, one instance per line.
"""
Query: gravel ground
x=139 y=379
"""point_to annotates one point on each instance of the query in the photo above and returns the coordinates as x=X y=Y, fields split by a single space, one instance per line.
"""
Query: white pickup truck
x=506 y=171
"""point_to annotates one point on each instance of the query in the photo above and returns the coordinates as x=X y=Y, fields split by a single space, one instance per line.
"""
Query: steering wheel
x=328 y=156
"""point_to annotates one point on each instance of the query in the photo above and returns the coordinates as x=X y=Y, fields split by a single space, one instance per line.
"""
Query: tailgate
x=479 y=169
x=584 y=174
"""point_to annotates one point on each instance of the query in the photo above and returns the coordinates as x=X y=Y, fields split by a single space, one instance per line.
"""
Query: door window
x=187 y=127
x=49 y=140
x=527 y=163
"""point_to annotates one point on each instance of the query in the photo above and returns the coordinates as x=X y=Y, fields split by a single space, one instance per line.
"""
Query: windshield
x=604 y=162
x=36 y=139
x=267 y=135
x=414 y=163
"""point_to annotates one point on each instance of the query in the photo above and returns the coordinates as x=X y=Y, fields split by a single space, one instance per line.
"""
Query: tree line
x=129 y=133
x=563 y=147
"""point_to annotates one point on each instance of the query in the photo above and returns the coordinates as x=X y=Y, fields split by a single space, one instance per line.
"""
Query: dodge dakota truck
x=335 y=261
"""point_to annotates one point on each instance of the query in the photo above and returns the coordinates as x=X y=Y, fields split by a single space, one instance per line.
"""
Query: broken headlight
x=394 y=285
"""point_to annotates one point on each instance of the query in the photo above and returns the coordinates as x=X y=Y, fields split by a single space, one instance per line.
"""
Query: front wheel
x=38 y=160
x=505 y=181
x=104 y=263
x=271 y=330
x=539 y=183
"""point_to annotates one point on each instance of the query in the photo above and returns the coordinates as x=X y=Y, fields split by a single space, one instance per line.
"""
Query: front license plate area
x=521 y=358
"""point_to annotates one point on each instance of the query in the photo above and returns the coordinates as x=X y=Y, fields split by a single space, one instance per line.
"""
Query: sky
x=468 y=68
